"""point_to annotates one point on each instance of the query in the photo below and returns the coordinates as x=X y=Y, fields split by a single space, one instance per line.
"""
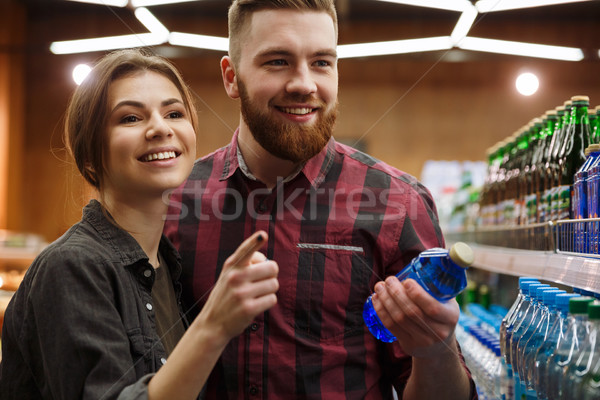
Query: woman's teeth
x=165 y=155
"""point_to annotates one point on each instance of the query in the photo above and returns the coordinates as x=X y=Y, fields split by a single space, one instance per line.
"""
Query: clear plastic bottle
x=586 y=357
x=509 y=317
x=568 y=346
x=538 y=336
x=518 y=329
x=543 y=354
x=441 y=272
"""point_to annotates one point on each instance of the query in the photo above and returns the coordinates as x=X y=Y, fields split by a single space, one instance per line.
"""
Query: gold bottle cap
x=580 y=98
x=462 y=254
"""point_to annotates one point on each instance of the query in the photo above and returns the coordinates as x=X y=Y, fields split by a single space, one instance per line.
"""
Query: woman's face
x=151 y=144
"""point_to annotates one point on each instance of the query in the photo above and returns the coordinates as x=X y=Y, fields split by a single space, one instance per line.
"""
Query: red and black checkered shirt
x=343 y=223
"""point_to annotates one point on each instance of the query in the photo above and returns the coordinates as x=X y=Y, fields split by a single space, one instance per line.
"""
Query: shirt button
x=254 y=327
x=163 y=361
x=262 y=207
x=253 y=390
x=149 y=306
x=147 y=273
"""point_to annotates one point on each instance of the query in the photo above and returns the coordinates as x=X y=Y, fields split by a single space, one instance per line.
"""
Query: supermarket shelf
x=568 y=269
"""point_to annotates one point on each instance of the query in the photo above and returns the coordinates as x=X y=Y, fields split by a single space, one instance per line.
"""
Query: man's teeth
x=297 y=111
x=165 y=155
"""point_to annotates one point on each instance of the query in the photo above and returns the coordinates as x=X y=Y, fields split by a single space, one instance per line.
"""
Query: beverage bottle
x=515 y=319
x=551 y=118
x=580 y=198
x=531 y=197
x=587 y=356
x=593 y=115
x=508 y=318
x=568 y=346
x=576 y=140
x=555 y=159
x=562 y=189
x=555 y=335
x=517 y=332
x=519 y=362
x=539 y=335
x=441 y=272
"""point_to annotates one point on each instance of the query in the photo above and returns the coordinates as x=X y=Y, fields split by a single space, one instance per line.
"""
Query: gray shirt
x=82 y=324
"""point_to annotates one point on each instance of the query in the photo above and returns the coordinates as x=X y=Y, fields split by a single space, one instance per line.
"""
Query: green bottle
x=577 y=138
x=555 y=163
x=551 y=118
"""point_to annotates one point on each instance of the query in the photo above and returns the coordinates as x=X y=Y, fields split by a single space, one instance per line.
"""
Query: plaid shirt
x=343 y=223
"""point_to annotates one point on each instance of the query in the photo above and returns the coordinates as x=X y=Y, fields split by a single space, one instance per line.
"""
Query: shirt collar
x=314 y=169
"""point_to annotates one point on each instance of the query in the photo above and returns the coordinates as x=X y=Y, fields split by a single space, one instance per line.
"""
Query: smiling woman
x=110 y=285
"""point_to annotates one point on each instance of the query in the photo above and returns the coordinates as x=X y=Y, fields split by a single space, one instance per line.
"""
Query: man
x=338 y=221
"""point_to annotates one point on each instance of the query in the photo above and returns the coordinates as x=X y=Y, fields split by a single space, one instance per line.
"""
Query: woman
x=98 y=311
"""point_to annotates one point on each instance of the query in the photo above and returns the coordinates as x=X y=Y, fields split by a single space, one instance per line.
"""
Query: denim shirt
x=82 y=325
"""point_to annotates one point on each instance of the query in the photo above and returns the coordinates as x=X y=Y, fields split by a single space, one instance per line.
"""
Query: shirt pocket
x=327 y=294
x=142 y=352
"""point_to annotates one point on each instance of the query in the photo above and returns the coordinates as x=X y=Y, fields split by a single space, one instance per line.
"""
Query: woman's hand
x=246 y=287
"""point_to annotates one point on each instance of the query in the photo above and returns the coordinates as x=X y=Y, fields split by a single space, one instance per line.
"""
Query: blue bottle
x=580 y=198
x=440 y=272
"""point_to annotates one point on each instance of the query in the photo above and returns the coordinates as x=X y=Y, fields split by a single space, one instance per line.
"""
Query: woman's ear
x=229 y=77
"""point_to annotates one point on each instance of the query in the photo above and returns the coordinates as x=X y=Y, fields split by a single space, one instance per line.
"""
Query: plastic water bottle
x=557 y=331
x=586 y=357
x=580 y=198
x=568 y=346
x=440 y=272
x=508 y=319
x=539 y=336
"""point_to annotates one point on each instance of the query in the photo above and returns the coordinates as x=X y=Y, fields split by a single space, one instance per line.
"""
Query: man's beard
x=288 y=141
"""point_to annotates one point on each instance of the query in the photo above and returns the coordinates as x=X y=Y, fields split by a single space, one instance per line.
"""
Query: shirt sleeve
x=84 y=347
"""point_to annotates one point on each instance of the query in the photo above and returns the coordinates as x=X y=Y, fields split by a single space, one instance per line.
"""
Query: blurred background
x=432 y=113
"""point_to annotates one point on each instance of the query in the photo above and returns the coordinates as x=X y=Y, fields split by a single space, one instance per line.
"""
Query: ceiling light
x=151 y=22
x=501 y=5
x=521 y=49
x=115 y=3
x=80 y=72
x=452 y=5
x=150 y=3
x=466 y=20
x=106 y=43
x=394 y=47
x=527 y=84
x=199 y=41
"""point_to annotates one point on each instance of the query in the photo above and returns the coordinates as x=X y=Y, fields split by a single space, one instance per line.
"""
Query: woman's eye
x=129 y=119
x=175 y=114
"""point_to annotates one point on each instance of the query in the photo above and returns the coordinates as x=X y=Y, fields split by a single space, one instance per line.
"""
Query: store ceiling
x=543 y=25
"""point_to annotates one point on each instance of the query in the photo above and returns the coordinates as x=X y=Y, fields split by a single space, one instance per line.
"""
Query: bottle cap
x=462 y=254
x=579 y=305
x=594 y=310
x=580 y=98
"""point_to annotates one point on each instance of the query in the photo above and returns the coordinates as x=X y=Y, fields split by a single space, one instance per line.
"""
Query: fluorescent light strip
x=150 y=3
x=199 y=41
x=151 y=22
x=106 y=43
x=452 y=5
x=502 y=5
x=394 y=47
x=464 y=24
x=521 y=49
x=114 y=3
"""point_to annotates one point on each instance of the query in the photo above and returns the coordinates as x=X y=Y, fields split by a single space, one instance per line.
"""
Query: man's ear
x=229 y=77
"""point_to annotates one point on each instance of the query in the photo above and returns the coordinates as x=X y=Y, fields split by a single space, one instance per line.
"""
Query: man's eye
x=323 y=63
x=277 y=62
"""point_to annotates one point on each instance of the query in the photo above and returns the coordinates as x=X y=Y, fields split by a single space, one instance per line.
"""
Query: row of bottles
x=531 y=174
x=549 y=344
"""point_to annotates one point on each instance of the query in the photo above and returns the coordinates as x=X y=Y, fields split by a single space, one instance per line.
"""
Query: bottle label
x=531 y=206
x=563 y=204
